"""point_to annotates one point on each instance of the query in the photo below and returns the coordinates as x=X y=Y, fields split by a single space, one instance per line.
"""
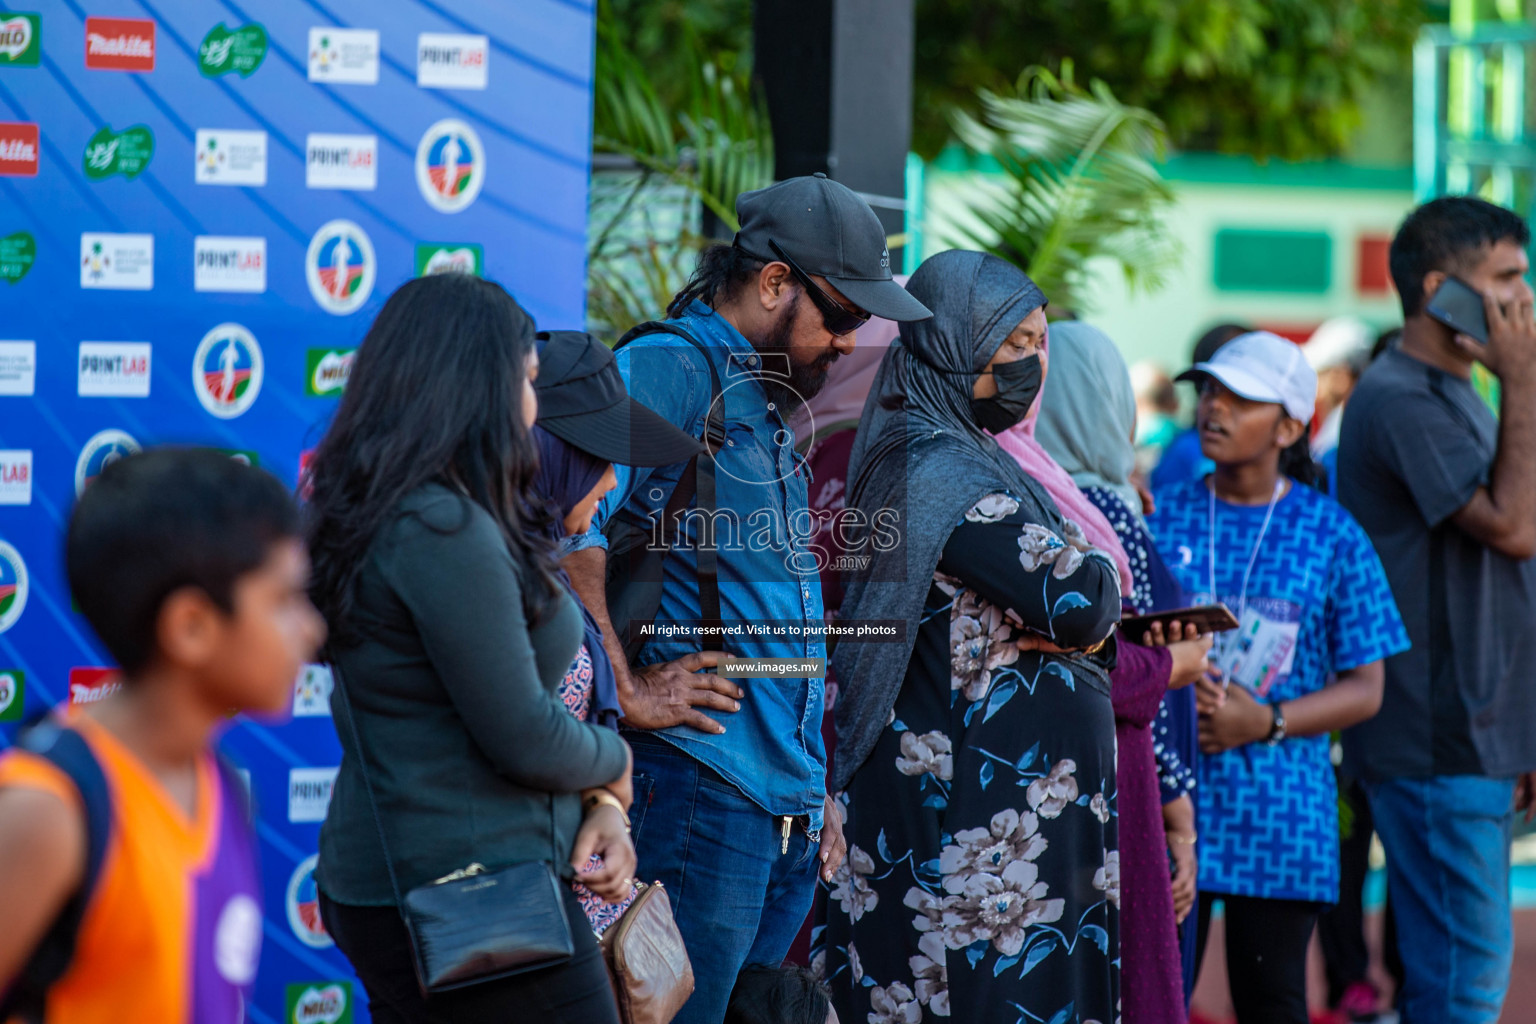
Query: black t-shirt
x=1416 y=445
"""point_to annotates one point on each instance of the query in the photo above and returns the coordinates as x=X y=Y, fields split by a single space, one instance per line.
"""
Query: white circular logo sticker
x=340 y=267
x=304 y=905
x=237 y=940
x=99 y=452
x=450 y=165
x=227 y=371
x=13 y=586
x=10 y=688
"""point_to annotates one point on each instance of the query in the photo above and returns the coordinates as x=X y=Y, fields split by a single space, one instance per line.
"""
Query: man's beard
x=805 y=381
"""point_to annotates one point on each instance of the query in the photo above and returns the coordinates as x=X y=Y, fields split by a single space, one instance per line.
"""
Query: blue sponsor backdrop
x=524 y=140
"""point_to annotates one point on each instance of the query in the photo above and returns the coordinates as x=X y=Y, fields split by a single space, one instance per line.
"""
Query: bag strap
x=697 y=480
x=362 y=765
x=66 y=750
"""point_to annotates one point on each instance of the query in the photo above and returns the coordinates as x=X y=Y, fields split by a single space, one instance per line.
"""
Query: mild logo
x=127 y=152
x=13 y=586
x=449 y=258
x=226 y=50
x=227 y=371
x=340 y=267
x=18 y=149
x=13 y=694
x=21 y=38
x=18 y=251
x=319 y=1002
x=450 y=165
x=328 y=369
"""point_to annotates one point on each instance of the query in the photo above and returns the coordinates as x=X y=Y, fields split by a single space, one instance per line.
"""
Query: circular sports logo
x=450 y=165
x=100 y=452
x=13 y=586
x=304 y=905
x=340 y=267
x=227 y=371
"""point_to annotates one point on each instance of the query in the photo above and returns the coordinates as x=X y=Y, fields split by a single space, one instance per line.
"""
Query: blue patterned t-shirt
x=1319 y=603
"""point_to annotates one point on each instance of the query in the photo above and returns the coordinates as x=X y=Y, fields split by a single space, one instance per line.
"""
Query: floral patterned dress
x=982 y=881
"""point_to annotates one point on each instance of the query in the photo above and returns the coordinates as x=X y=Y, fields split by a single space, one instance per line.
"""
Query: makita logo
x=120 y=44
x=18 y=149
x=230 y=259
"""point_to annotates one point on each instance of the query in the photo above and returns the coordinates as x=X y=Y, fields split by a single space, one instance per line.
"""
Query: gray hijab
x=1088 y=410
x=920 y=456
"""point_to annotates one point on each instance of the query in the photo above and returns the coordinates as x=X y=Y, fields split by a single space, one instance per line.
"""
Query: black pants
x=1266 y=955
x=1341 y=931
x=374 y=939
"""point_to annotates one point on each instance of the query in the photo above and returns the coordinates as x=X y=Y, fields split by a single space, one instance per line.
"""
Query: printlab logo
x=229 y=264
x=120 y=44
x=341 y=161
x=303 y=902
x=18 y=368
x=114 y=369
x=89 y=685
x=99 y=452
x=312 y=692
x=319 y=1002
x=126 y=152
x=227 y=371
x=450 y=165
x=18 y=251
x=239 y=50
x=117 y=261
x=327 y=370
x=21 y=38
x=13 y=694
x=18 y=149
x=344 y=56
x=340 y=267
x=13 y=586
x=449 y=258
x=15 y=476
x=230 y=157
x=309 y=793
x=445 y=61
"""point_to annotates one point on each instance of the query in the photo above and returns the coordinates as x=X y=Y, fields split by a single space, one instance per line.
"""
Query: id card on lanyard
x=1260 y=652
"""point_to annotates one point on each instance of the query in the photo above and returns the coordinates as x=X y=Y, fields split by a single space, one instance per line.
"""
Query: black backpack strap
x=698 y=479
x=67 y=751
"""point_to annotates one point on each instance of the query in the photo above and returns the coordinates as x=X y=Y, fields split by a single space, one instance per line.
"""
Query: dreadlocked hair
x=720 y=271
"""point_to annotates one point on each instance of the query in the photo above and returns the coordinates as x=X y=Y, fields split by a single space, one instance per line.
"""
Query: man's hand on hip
x=668 y=694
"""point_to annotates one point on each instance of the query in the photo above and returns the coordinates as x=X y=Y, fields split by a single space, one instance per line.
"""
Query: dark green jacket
x=472 y=755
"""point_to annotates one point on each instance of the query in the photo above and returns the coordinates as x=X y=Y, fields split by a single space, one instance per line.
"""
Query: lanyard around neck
x=1253 y=558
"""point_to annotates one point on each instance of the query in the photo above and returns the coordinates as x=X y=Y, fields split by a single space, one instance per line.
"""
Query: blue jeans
x=738 y=900
x=1447 y=841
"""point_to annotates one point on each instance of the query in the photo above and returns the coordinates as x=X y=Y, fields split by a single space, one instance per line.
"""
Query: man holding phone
x=1447 y=493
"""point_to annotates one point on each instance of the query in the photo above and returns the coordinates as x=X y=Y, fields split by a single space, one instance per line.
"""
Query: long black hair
x=721 y=270
x=1297 y=463
x=435 y=394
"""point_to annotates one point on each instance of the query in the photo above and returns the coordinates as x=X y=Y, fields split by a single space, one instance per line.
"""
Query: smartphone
x=1209 y=618
x=1457 y=305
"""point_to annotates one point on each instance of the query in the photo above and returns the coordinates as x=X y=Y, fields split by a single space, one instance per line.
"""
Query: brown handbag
x=647 y=963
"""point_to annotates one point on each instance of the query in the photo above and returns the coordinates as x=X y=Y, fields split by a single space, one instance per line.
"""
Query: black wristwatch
x=1277 y=729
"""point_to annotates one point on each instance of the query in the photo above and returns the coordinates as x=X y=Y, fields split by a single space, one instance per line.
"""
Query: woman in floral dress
x=976 y=759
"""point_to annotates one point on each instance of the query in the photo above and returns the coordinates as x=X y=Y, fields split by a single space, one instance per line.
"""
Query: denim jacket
x=772 y=748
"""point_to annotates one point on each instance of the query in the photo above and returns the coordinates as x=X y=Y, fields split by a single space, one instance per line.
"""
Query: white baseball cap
x=1263 y=367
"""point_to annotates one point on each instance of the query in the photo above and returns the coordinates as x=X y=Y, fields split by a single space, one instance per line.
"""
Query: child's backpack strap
x=67 y=751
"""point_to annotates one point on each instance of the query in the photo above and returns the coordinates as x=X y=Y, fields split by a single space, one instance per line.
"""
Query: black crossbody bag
x=476 y=924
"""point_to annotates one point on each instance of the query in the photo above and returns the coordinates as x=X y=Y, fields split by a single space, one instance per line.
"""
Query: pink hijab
x=1019 y=441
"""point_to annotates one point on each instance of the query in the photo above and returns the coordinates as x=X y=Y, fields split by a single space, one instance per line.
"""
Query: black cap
x=827 y=230
x=583 y=402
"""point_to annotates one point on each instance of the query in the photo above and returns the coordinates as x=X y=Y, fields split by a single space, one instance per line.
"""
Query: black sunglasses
x=838 y=318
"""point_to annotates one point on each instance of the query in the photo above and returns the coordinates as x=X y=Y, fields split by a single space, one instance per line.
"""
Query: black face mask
x=1018 y=384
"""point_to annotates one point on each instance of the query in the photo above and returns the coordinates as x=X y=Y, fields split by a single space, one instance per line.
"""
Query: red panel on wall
x=1290 y=331
x=1372 y=276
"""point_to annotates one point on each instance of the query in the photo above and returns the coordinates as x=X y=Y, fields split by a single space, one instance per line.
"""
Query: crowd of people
x=535 y=565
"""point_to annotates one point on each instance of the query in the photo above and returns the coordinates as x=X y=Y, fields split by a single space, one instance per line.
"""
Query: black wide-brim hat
x=582 y=401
